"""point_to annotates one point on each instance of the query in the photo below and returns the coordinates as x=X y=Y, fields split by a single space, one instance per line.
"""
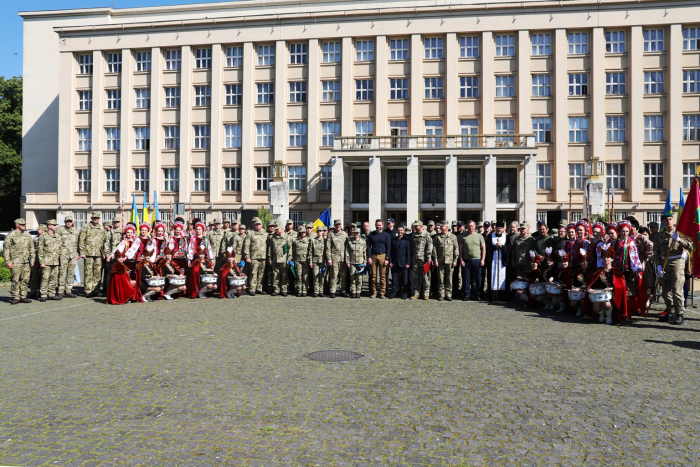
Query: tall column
x=66 y=129
x=488 y=83
x=451 y=85
x=185 y=124
x=347 y=85
x=530 y=199
x=524 y=82
x=313 y=124
x=635 y=128
x=413 y=193
x=416 y=86
x=674 y=117
x=281 y=96
x=561 y=119
x=98 y=131
x=338 y=189
x=217 y=126
x=490 y=188
x=451 y=188
x=597 y=124
x=247 y=124
x=381 y=84
x=154 y=170
x=126 y=144
x=375 y=189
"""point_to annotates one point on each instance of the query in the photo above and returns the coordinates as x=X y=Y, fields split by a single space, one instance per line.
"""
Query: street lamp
x=279 y=171
x=594 y=168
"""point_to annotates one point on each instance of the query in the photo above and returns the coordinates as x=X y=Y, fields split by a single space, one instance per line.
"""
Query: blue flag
x=156 y=212
x=668 y=209
x=324 y=219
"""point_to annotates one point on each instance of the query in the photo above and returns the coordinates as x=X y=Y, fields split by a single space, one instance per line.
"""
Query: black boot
x=678 y=319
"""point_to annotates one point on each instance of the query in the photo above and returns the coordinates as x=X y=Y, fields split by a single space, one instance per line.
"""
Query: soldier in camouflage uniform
x=355 y=255
x=90 y=247
x=112 y=239
x=35 y=281
x=278 y=256
x=421 y=252
x=229 y=233
x=50 y=246
x=19 y=257
x=218 y=248
x=310 y=230
x=317 y=249
x=446 y=251
x=520 y=251
x=69 y=257
x=254 y=250
x=670 y=245
x=300 y=256
x=335 y=258
x=289 y=231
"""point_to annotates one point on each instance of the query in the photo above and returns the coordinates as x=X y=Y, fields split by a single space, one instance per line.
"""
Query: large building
x=409 y=109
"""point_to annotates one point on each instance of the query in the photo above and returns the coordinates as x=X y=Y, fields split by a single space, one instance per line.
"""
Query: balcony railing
x=356 y=143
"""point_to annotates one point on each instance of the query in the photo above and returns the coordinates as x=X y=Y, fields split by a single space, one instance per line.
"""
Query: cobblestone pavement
x=225 y=382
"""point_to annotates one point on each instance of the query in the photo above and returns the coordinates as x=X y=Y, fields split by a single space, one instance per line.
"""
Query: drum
x=600 y=296
x=518 y=285
x=576 y=294
x=208 y=278
x=177 y=280
x=554 y=288
x=236 y=281
x=537 y=289
x=156 y=282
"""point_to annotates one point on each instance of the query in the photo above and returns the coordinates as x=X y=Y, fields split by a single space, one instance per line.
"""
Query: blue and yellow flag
x=146 y=217
x=134 y=216
x=681 y=205
x=668 y=209
x=156 y=212
x=324 y=219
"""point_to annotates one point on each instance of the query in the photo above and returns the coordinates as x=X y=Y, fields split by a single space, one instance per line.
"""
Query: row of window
x=433 y=48
x=615 y=174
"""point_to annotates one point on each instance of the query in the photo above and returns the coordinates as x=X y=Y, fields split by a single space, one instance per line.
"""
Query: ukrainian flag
x=324 y=219
x=681 y=205
x=146 y=217
x=134 y=217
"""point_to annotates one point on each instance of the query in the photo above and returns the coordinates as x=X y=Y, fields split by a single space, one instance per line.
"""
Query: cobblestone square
x=225 y=382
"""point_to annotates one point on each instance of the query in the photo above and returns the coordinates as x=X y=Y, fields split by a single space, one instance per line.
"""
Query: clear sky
x=11 y=23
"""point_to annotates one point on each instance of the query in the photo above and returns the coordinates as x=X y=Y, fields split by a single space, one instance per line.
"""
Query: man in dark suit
x=400 y=264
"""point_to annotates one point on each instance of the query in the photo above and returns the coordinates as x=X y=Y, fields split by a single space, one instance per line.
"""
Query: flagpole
x=569 y=204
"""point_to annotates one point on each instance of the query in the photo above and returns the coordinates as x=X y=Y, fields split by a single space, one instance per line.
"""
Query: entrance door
x=466 y=216
x=359 y=217
x=435 y=216
x=507 y=216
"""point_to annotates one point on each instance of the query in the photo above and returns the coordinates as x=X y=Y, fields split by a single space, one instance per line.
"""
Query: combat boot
x=14 y=301
x=25 y=300
x=678 y=319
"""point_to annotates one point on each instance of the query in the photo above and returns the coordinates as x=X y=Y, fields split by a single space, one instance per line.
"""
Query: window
x=234 y=56
x=201 y=215
x=202 y=96
x=173 y=59
x=234 y=94
x=653 y=176
x=171 y=137
x=469 y=186
x=433 y=47
x=691 y=127
x=506 y=185
x=505 y=126
x=142 y=138
x=262 y=178
x=397 y=129
x=297 y=178
x=172 y=97
x=364 y=51
x=398 y=49
x=469 y=127
x=691 y=39
x=544 y=176
x=84 y=139
x=615 y=42
x=329 y=131
x=85 y=64
x=112 y=139
x=396 y=185
x=297 y=134
x=469 y=87
x=578 y=43
x=433 y=88
x=541 y=85
x=112 y=180
x=541 y=44
x=233 y=215
x=542 y=128
x=576 y=216
x=653 y=128
x=233 y=136
x=297 y=91
x=578 y=129
x=654 y=216
x=326 y=177
x=232 y=179
x=505 y=86
x=296 y=217
x=201 y=178
x=578 y=84
x=330 y=91
x=114 y=99
x=84 y=100
x=505 y=46
x=360 y=186
x=202 y=58
x=398 y=89
x=653 y=82
x=143 y=98
x=469 y=46
x=171 y=179
x=576 y=176
x=202 y=136
x=266 y=55
x=614 y=83
x=615 y=175
x=266 y=93
x=691 y=80
x=108 y=216
x=143 y=61
x=364 y=89
x=265 y=135
x=330 y=52
x=433 y=186
x=83 y=179
x=689 y=171
x=114 y=63
x=363 y=129
x=433 y=128
x=141 y=180
x=616 y=127
x=653 y=40
x=298 y=53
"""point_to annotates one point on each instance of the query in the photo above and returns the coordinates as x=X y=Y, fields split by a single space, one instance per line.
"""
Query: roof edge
x=59 y=13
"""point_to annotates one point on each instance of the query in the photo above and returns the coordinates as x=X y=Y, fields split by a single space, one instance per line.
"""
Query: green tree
x=265 y=216
x=10 y=150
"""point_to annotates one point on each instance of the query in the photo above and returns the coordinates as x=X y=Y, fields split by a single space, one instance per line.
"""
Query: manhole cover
x=333 y=356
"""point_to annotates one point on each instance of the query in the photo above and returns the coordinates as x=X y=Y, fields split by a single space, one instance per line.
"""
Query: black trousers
x=401 y=280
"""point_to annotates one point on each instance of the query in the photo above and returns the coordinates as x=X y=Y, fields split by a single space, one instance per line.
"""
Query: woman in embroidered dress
x=168 y=268
x=161 y=239
x=550 y=273
x=180 y=239
x=612 y=280
x=126 y=246
x=230 y=270
x=146 y=270
x=121 y=288
x=198 y=267
x=197 y=242
x=627 y=257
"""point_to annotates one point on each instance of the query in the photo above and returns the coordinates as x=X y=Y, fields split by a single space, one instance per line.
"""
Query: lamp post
x=279 y=171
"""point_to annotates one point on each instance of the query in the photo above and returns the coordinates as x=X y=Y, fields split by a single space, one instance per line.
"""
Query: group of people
x=606 y=270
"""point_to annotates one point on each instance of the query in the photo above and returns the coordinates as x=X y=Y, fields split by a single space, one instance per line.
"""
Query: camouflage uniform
x=254 y=248
x=279 y=253
x=335 y=252
x=421 y=251
x=111 y=241
x=35 y=281
x=90 y=245
x=674 y=274
x=520 y=256
x=317 y=248
x=69 y=257
x=355 y=254
x=446 y=253
x=300 y=256
x=291 y=235
x=216 y=240
x=50 y=247
x=19 y=250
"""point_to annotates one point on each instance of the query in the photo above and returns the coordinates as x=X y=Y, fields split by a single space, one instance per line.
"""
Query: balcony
x=435 y=143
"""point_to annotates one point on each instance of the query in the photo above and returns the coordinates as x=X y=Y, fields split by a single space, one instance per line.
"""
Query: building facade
x=410 y=109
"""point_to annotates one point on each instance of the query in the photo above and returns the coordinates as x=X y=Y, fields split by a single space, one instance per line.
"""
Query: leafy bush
x=5 y=273
x=265 y=216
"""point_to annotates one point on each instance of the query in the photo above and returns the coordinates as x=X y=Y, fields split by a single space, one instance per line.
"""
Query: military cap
x=242 y=226
x=487 y=224
x=50 y=222
x=308 y=225
x=322 y=228
x=653 y=224
x=480 y=224
x=301 y=228
x=666 y=215
x=95 y=214
x=215 y=221
x=391 y=220
x=454 y=223
x=524 y=225
x=234 y=221
x=43 y=227
x=256 y=220
x=563 y=223
x=541 y=222
x=107 y=224
x=418 y=222
x=337 y=221
x=289 y=221
x=20 y=221
x=272 y=224
x=431 y=222
x=68 y=219
x=226 y=219
x=356 y=229
x=460 y=223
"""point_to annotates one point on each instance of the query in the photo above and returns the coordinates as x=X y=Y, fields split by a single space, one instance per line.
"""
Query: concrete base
x=596 y=196
x=279 y=201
